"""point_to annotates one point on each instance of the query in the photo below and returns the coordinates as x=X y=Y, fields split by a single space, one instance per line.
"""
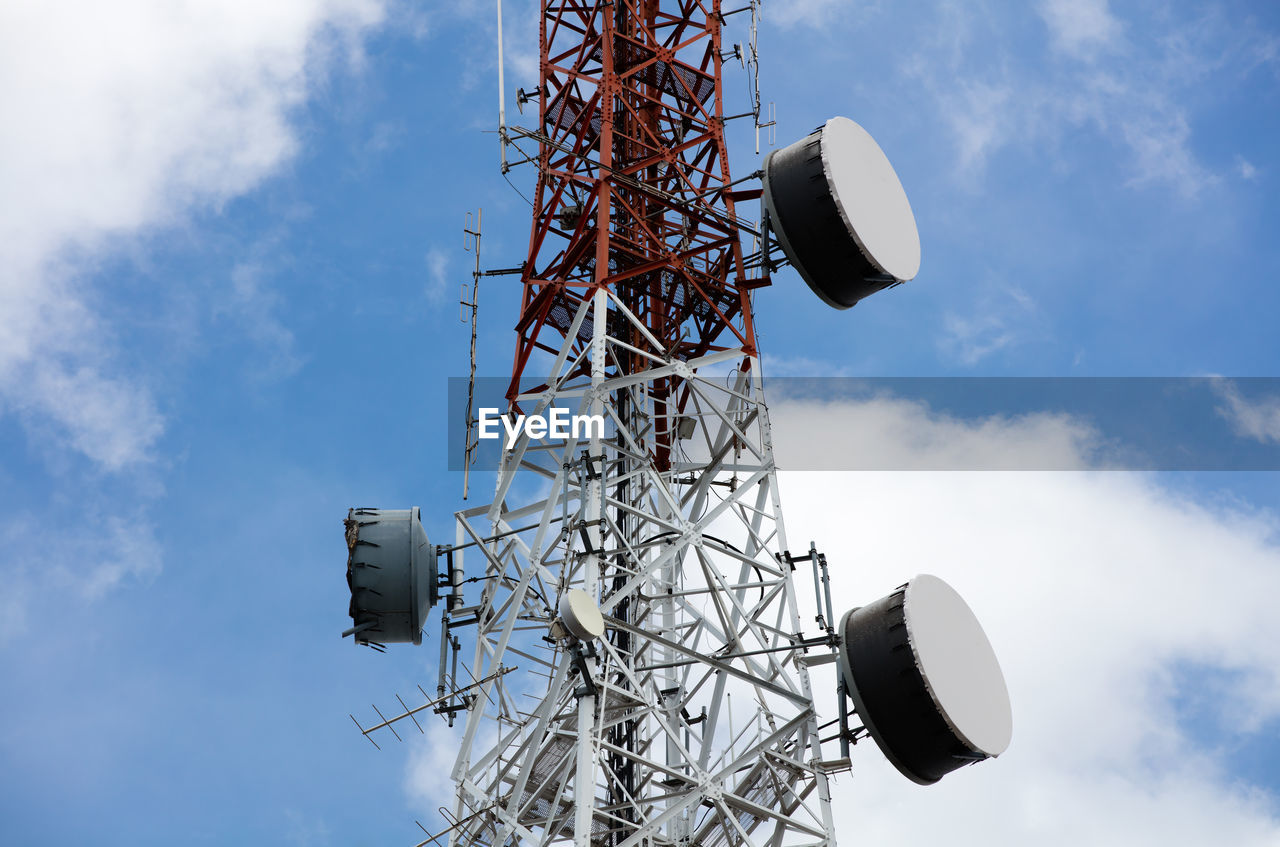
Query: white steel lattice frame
x=700 y=609
x=691 y=721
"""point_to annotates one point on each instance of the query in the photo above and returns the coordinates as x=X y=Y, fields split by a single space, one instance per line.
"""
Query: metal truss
x=691 y=721
x=633 y=190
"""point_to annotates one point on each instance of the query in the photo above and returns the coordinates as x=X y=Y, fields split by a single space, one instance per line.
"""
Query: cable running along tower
x=635 y=670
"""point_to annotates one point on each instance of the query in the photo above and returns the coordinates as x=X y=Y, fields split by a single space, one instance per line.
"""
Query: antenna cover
x=925 y=681
x=392 y=574
x=840 y=213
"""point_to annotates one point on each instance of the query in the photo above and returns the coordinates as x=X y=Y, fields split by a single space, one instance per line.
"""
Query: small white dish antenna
x=581 y=615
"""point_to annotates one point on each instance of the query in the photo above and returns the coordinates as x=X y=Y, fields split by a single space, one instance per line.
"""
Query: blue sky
x=231 y=242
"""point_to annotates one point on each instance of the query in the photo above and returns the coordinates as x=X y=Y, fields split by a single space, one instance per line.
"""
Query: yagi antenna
x=752 y=64
x=434 y=704
x=470 y=239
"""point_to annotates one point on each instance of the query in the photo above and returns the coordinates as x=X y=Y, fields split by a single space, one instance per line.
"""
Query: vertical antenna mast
x=502 y=99
x=471 y=237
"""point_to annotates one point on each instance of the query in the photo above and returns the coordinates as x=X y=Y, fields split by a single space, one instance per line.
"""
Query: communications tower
x=635 y=669
x=690 y=720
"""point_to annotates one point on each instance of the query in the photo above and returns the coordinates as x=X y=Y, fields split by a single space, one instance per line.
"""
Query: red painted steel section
x=633 y=186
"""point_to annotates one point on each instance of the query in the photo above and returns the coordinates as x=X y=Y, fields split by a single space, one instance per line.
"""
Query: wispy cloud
x=385 y=135
x=1246 y=169
x=429 y=769
x=972 y=339
x=110 y=419
x=815 y=13
x=1081 y=27
x=982 y=124
x=306 y=831
x=1005 y=317
x=128 y=549
x=411 y=17
x=1161 y=145
x=58 y=558
x=14 y=603
x=252 y=305
x=438 y=281
x=1139 y=94
x=801 y=366
x=1257 y=418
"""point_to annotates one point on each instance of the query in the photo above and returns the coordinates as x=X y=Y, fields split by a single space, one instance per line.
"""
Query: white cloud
x=437 y=274
x=520 y=45
x=1161 y=145
x=1139 y=96
x=814 y=13
x=784 y=366
x=109 y=419
x=124 y=118
x=479 y=73
x=306 y=831
x=1247 y=169
x=385 y=135
x=981 y=124
x=13 y=607
x=1257 y=419
x=1004 y=318
x=412 y=18
x=429 y=769
x=428 y=775
x=1080 y=27
x=252 y=305
x=60 y=558
x=975 y=338
x=1110 y=602
x=124 y=547
x=890 y=433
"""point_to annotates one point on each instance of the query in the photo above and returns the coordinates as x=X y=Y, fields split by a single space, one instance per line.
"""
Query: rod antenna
x=502 y=100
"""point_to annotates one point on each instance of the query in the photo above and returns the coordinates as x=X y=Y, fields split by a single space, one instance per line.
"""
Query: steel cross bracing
x=695 y=722
x=633 y=186
x=691 y=721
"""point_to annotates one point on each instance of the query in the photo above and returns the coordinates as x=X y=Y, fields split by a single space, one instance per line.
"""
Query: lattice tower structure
x=692 y=720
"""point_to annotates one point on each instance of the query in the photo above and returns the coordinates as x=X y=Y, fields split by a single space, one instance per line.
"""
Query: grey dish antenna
x=925 y=681
x=392 y=574
x=838 y=210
